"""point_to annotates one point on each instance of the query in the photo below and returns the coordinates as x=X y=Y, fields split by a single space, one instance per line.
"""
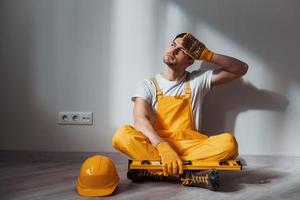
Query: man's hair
x=181 y=35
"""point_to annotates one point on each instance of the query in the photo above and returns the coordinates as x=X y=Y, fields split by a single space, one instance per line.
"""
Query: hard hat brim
x=92 y=192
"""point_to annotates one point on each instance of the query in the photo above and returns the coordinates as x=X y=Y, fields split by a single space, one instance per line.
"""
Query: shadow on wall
x=224 y=103
x=270 y=29
x=260 y=28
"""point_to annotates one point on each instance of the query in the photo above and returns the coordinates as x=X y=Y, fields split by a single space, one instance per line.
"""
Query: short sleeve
x=143 y=90
x=203 y=80
x=206 y=83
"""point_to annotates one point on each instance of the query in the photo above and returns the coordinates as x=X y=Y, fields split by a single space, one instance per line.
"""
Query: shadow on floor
x=234 y=181
x=231 y=181
x=125 y=187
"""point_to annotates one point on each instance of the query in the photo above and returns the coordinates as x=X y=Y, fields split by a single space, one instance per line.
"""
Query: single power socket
x=77 y=118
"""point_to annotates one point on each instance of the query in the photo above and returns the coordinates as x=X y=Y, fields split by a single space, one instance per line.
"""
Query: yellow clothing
x=175 y=124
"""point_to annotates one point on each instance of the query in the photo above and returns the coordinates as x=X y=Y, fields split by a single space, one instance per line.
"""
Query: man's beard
x=170 y=63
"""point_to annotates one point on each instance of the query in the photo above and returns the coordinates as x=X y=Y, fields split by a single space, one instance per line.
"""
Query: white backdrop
x=72 y=55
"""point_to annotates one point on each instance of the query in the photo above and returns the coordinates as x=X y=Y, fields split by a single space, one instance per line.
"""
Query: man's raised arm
x=230 y=69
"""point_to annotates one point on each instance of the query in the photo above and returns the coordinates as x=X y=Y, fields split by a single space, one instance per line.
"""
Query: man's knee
x=229 y=142
x=121 y=136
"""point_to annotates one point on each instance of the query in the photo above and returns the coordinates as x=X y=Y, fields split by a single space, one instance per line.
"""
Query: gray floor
x=264 y=177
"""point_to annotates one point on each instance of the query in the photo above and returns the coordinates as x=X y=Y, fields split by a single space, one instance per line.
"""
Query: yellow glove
x=196 y=49
x=171 y=162
x=206 y=55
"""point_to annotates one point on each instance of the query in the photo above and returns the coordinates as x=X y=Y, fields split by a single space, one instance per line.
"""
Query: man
x=167 y=111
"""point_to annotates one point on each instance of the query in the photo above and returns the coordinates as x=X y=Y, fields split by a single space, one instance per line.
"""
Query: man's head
x=175 y=56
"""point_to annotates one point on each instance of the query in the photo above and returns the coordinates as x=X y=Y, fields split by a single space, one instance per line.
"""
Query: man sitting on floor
x=167 y=111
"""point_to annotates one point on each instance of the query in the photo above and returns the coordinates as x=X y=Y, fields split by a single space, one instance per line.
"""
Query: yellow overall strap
x=158 y=90
x=188 y=90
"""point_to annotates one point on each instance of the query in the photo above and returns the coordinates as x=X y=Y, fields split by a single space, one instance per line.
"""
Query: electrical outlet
x=77 y=118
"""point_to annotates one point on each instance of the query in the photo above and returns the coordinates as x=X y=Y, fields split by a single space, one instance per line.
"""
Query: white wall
x=72 y=55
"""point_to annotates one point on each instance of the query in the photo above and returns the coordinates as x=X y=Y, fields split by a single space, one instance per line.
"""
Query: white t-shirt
x=200 y=82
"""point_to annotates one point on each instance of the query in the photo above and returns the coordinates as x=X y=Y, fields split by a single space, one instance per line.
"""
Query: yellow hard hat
x=98 y=177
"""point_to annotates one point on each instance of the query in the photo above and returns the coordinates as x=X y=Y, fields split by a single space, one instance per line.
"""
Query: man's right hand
x=171 y=162
x=195 y=48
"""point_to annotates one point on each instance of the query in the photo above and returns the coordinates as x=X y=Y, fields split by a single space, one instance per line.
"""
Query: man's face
x=175 y=56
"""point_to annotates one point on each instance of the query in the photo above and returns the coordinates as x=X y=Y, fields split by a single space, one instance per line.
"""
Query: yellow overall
x=174 y=123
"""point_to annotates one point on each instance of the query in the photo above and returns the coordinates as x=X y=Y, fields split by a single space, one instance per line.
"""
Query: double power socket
x=77 y=118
